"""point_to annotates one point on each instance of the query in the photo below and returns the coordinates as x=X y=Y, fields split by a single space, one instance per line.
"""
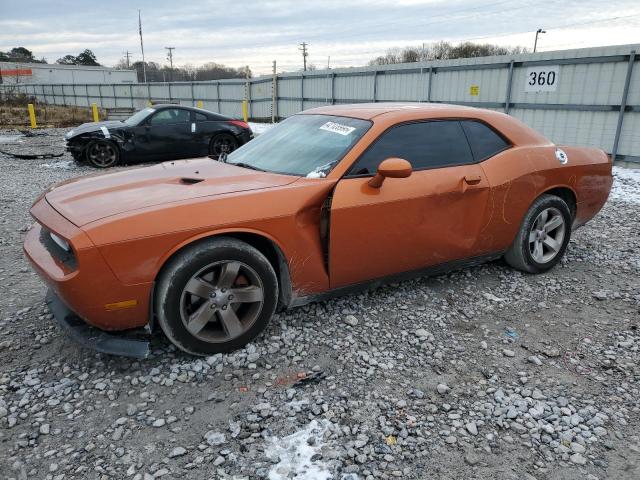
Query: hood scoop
x=190 y=181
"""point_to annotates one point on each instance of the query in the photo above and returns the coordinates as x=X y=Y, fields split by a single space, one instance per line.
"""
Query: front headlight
x=61 y=242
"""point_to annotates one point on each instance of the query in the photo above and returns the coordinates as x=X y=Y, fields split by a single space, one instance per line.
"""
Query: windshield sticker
x=105 y=132
x=337 y=128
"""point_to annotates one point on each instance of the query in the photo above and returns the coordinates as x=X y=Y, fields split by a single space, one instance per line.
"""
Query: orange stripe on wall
x=19 y=71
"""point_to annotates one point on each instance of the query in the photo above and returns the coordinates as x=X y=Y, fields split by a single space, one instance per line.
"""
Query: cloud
x=257 y=32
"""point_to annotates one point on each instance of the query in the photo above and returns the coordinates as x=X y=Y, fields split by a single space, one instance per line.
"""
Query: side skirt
x=399 y=277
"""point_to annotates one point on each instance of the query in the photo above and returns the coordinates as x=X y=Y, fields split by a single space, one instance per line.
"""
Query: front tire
x=102 y=154
x=216 y=296
x=543 y=236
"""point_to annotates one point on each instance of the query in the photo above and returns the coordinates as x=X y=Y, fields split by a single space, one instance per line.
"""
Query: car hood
x=93 y=127
x=88 y=199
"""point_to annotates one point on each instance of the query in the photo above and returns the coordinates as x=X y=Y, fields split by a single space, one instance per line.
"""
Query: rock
x=44 y=429
x=472 y=428
x=471 y=459
x=351 y=320
x=578 y=459
x=577 y=448
x=177 y=452
x=422 y=333
x=443 y=388
x=508 y=353
x=159 y=422
x=492 y=297
x=214 y=438
x=535 y=360
x=600 y=295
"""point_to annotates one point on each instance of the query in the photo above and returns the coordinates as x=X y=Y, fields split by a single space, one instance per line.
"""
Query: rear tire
x=216 y=296
x=222 y=143
x=543 y=236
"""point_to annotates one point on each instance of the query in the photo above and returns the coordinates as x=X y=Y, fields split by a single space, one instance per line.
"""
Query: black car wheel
x=222 y=143
x=216 y=296
x=103 y=154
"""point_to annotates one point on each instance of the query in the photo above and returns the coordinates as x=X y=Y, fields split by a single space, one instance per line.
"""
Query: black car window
x=170 y=116
x=429 y=144
x=200 y=117
x=484 y=141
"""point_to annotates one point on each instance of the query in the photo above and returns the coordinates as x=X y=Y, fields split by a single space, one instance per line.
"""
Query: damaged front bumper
x=133 y=344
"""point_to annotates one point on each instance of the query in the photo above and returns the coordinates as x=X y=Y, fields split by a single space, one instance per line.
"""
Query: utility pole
x=535 y=44
x=144 y=68
x=305 y=53
x=329 y=62
x=170 y=57
x=274 y=94
x=127 y=54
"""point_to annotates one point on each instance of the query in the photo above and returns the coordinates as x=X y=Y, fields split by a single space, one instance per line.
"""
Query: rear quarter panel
x=521 y=174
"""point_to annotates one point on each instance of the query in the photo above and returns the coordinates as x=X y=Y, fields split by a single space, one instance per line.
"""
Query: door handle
x=472 y=179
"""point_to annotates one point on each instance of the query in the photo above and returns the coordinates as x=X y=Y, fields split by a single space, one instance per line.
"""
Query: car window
x=170 y=116
x=428 y=144
x=484 y=141
x=200 y=117
x=305 y=145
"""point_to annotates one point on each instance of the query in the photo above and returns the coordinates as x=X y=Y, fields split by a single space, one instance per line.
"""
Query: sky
x=350 y=32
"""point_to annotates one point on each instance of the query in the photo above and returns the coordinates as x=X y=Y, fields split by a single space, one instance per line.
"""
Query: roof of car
x=367 y=111
x=187 y=107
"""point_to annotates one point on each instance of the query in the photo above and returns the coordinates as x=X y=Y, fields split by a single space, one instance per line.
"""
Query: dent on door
x=432 y=217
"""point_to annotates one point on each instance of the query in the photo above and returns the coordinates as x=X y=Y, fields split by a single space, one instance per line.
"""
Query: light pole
x=535 y=44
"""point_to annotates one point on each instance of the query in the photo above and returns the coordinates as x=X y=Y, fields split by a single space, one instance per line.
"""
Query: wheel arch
x=567 y=194
x=261 y=241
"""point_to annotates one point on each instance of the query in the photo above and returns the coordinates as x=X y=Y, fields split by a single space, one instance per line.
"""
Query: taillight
x=240 y=123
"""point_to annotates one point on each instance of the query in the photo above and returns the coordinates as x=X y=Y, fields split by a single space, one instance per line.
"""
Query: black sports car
x=161 y=132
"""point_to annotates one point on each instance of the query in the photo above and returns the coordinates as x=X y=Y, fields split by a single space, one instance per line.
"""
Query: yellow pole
x=245 y=110
x=94 y=109
x=32 y=115
x=199 y=103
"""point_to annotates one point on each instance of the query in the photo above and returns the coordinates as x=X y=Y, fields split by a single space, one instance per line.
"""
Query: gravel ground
x=485 y=373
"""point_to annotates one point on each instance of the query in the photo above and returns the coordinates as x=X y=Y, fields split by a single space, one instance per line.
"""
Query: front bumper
x=87 y=284
x=128 y=344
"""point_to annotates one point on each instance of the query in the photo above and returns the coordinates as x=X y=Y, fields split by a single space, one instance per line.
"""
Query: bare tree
x=443 y=51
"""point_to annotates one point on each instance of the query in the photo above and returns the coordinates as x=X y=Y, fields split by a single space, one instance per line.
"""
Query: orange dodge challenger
x=329 y=201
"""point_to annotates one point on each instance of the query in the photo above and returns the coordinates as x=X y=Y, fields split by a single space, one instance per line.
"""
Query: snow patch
x=259 y=128
x=11 y=138
x=626 y=184
x=65 y=165
x=294 y=454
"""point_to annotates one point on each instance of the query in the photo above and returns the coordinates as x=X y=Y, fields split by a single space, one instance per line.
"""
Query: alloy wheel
x=546 y=236
x=221 y=301
x=223 y=144
x=102 y=154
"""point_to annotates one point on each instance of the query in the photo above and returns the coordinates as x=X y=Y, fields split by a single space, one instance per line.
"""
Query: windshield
x=138 y=117
x=305 y=145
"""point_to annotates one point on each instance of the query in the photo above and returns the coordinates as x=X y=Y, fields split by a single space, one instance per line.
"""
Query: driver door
x=167 y=135
x=432 y=217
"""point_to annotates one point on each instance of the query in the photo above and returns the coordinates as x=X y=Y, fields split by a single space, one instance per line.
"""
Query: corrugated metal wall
x=582 y=107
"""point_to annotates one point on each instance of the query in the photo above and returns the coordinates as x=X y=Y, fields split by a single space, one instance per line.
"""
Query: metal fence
x=587 y=97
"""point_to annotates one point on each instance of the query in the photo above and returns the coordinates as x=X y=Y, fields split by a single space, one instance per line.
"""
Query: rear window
x=484 y=141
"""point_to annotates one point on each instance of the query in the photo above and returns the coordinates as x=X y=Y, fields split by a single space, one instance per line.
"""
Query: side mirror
x=391 y=168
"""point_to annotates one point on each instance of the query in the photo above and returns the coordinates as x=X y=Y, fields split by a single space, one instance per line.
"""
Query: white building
x=42 y=73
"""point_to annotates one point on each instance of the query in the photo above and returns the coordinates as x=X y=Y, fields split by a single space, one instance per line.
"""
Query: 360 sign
x=541 y=79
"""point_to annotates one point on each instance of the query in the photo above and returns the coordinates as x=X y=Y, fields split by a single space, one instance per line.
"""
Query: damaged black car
x=158 y=133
